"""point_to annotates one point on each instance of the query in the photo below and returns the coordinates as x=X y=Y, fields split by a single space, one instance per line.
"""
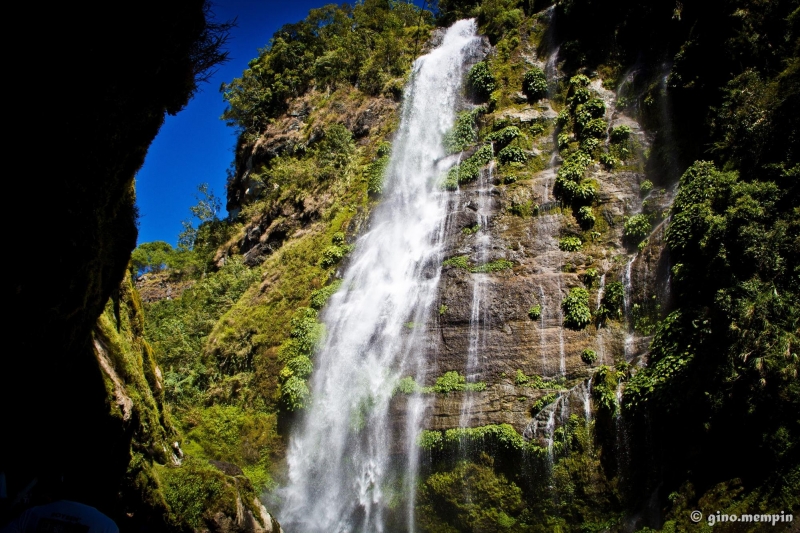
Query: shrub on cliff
x=481 y=80
x=577 y=314
x=534 y=84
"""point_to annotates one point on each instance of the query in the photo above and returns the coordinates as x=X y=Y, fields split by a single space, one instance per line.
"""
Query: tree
x=151 y=257
x=205 y=210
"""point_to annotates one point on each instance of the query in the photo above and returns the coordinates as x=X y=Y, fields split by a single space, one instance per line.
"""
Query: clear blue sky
x=195 y=146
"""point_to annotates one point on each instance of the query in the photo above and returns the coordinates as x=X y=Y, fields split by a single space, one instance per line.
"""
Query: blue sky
x=195 y=146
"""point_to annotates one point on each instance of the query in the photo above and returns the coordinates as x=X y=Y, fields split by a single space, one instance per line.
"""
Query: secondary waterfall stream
x=344 y=465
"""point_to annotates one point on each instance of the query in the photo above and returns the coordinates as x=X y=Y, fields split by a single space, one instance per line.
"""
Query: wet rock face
x=508 y=339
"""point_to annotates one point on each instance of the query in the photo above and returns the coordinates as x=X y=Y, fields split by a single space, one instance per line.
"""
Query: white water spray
x=340 y=457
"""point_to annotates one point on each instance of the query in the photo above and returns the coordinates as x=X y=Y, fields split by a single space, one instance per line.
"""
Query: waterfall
x=478 y=316
x=346 y=458
x=542 y=341
x=627 y=305
x=562 y=362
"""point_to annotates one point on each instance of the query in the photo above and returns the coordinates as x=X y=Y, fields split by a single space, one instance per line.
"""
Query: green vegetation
x=576 y=308
x=470 y=169
x=503 y=136
x=613 y=300
x=296 y=352
x=453 y=381
x=620 y=134
x=523 y=209
x=511 y=154
x=481 y=81
x=534 y=381
x=492 y=266
x=240 y=349
x=569 y=244
x=376 y=173
x=464 y=134
x=590 y=277
x=534 y=84
x=586 y=216
x=588 y=356
x=637 y=228
x=462 y=261
x=501 y=434
x=450 y=381
x=370 y=45
x=196 y=491
x=543 y=402
x=471 y=230
x=178 y=330
x=495 y=503
x=320 y=297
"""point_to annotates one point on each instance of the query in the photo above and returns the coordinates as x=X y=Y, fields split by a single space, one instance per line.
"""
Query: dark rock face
x=111 y=75
x=541 y=274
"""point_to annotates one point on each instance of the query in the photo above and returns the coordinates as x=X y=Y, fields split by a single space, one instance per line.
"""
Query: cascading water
x=562 y=361
x=627 y=305
x=340 y=458
x=542 y=339
x=478 y=316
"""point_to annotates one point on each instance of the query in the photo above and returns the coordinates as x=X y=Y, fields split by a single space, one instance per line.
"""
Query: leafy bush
x=504 y=136
x=596 y=107
x=481 y=81
x=194 y=490
x=442 y=309
x=543 y=402
x=590 y=276
x=295 y=393
x=588 y=356
x=597 y=127
x=608 y=160
x=646 y=187
x=453 y=381
x=178 y=329
x=620 y=134
x=569 y=244
x=495 y=503
x=580 y=96
x=535 y=312
x=460 y=261
x=563 y=140
x=637 y=228
x=524 y=209
x=335 y=149
x=579 y=81
x=376 y=174
x=576 y=308
x=152 y=257
x=333 y=254
x=613 y=299
x=471 y=230
x=533 y=381
x=511 y=154
x=534 y=84
x=584 y=193
x=463 y=133
x=406 y=385
x=320 y=296
x=470 y=169
x=586 y=216
x=492 y=266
